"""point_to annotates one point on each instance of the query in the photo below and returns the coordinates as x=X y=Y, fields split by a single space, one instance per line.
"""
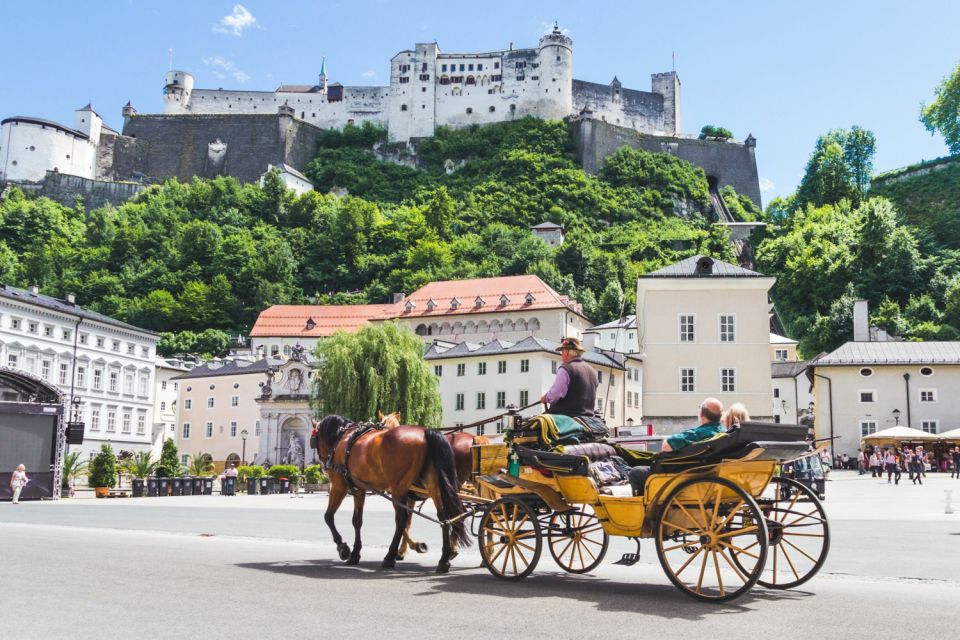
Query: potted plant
x=103 y=471
x=140 y=465
x=315 y=479
x=73 y=468
x=169 y=466
x=284 y=474
x=248 y=476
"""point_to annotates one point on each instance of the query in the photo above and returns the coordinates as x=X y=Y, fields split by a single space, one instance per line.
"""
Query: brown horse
x=394 y=461
x=462 y=444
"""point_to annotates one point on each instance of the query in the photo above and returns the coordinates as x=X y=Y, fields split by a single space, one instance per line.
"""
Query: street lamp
x=896 y=416
x=783 y=405
x=243 y=454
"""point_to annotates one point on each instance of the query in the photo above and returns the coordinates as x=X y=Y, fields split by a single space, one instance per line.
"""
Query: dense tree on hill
x=838 y=168
x=943 y=114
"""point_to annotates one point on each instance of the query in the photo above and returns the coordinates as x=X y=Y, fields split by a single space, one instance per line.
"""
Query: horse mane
x=330 y=428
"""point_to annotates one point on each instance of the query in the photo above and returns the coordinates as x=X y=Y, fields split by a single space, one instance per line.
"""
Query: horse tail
x=440 y=453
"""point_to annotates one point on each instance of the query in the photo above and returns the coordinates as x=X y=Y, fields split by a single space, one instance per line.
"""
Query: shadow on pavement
x=662 y=600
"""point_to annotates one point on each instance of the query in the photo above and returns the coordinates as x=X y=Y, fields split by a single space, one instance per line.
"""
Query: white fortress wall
x=29 y=149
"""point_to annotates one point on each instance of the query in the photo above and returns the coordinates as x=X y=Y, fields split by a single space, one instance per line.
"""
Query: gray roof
x=46 y=123
x=788 y=369
x=56 y=304
x=687 y=269
x=546 y=225
x=527 y=345
x=626 y=322
x=283 y=166
x=877 y=353
x=229 y=368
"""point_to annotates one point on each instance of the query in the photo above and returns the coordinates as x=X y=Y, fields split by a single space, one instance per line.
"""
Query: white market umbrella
x=900 y=434
x=953 y=434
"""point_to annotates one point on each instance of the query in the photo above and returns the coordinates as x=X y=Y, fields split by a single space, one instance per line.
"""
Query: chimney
x=34 y=289
x=397 y=297
x=861 y=321
x=71 y=298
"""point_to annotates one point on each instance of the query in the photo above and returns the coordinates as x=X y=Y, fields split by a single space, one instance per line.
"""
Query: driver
x=711 y=410
x=574 y=390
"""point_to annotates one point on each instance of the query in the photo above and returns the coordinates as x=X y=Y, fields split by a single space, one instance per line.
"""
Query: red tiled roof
x=291 y=320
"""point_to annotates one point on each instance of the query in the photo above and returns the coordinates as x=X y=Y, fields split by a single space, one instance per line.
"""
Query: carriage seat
x=594 y=451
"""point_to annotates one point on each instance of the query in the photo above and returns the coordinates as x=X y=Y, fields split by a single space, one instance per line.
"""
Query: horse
x=394 y=461
x=462 y=444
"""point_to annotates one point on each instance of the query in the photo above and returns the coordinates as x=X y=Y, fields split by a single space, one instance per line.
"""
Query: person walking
x=875 y=464
x=890 y=464
x=861 y=462
x=955 y=457
x=18 y=480
x=916 y=464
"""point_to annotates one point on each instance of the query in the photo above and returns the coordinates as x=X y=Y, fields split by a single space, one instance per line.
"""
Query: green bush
x=169 y=460
x=710 y=131
x=250 y=471
x=314 y=475
x=103 y=468
x=290 y=471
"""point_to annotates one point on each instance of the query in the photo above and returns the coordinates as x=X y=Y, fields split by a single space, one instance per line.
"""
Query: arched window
x=421 y=330
x=533 y=325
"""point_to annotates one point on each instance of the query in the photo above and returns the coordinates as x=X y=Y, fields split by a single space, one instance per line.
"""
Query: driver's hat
x=571 y=344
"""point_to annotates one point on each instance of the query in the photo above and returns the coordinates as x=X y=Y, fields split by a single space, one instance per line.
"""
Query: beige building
x=782 y=349
x=703 y=331
x=865 y=387
x=217 y=403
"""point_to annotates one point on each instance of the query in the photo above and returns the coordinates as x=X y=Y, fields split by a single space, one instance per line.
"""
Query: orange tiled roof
x=294 y=320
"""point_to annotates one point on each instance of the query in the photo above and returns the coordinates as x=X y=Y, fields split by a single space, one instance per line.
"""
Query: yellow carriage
x=721 y=519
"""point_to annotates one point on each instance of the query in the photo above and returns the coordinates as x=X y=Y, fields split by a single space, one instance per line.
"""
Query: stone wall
x=731 y=163
x=65 y=189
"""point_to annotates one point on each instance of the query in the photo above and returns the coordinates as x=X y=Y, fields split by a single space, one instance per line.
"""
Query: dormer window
x=409 y=306
x=504 y=300
x=479 y=302
x=528 y=299
x=310 y=324
x=431 y=305
x=455 y=303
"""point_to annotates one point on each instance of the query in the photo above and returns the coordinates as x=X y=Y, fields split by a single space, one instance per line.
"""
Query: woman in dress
x=18 y=480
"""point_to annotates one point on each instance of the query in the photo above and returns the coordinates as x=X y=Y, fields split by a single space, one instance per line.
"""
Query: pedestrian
x=915 y=461
x=229 y=480
x=955 y=457
x=921 y=460
x=875 y=464
x=890 y=465
x=862 y=462
x=18 y=480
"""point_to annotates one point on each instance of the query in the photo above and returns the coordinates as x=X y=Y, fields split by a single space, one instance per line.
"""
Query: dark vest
x=581 y=395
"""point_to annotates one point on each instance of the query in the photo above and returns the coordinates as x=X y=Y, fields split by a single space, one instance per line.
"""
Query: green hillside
x=928 y=198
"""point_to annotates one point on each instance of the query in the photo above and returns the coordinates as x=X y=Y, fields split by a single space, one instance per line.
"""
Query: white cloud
x=370 y=73
x=234 y=23
x=766 y=184
x=220 y=66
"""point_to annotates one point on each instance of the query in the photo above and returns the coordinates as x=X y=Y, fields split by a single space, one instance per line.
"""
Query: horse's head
x=328 y=431
x=389 y=421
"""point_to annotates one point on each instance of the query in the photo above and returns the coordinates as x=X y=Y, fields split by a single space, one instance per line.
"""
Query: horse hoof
x=387 y=565
x=443 y=567
x=454 y=554
x=344 y=550
x=420 y=547
x=353 y=561
x=401 y=556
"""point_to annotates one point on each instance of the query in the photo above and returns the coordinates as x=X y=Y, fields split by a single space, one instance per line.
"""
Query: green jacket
x=697 y=434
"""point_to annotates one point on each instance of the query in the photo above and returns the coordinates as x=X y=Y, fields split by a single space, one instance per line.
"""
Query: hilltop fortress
x=212 y=132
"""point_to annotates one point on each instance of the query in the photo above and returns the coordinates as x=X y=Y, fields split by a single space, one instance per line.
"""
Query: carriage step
x=630 y=559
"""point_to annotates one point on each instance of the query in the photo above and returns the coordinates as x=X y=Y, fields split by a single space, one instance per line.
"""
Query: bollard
x=949 y=507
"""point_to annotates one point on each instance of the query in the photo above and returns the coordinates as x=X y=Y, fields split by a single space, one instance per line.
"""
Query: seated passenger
x=711 y=410
x=736 y=415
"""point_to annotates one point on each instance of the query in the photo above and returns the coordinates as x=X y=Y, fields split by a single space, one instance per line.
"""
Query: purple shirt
x=560 y=386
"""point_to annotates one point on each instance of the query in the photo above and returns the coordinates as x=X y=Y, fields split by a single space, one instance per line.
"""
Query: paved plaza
x=265 y=567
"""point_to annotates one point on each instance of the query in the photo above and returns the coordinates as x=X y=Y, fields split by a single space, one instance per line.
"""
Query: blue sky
x=784 y=71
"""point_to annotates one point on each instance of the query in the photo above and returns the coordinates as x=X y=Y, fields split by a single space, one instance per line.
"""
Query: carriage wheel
x=510 y=539
x=799 y=536
x=704 y=522
x=576 y=540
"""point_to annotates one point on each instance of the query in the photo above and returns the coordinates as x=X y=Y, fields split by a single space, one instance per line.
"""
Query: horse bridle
x=359 y=429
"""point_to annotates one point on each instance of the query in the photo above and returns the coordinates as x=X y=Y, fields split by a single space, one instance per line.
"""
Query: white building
x=704 y=331
x=165 y=414
x=782 y=349
x=549 y=232
x=295 y=181
x=105 y=365
x=29 y=147
x=792 y=391
x=479 y=381
x=429 y=88
x=617 y=335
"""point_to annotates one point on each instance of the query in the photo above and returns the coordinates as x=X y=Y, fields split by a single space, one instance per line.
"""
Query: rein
x=359 y=429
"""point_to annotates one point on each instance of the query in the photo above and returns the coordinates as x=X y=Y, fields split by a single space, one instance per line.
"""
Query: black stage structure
x=32 y=433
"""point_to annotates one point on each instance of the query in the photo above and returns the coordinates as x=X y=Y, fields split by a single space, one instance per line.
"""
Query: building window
x=928 y=395
x=145 y=352
x=728 y=380
x=98 y=379
x=83 y=338
x=438 y=370
x=143 y=385
x=600 y=377
x=99 y=342
x=208 y=430
x=424 y=76
x=867 y=396
x=781 y=355
x=926 y=371
x=163 y=385
x=32 y=327
x=131 y=348
x=115 y=345
x=12 y=360
x=686 y=328
x=128 y=383
x=524 y=397
x=111 y=421
x=501 y=366
x=553 y=366
x=188 y=404
x=15 y=323
x=687 y=380
x=211 y=402
x=141 y=424
x=67 y=334
x=114 y=382
x=728 y=328
x=62 y=376
x=481 y=400
x=866 y=372
x=45 y=369
x=48 y=332
x=929 y=426
x=81 y=377
x=95 y=419
x=459 y=402
x=256 y=428
x=629 y=400
x=443 y=68
x=163 y=406
x=524 y=366
x=776 y=392
x=636 y=399
x=501 y=399
x=613 y=410
x=867 y=427
x=461 y=370
x=126 y=422
x=469 y=110
x=481 y=368
x=235 y=401
x=233 y=428
x=186 y=430
x=403 y=107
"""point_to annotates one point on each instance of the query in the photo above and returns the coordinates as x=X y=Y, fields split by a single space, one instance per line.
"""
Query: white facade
x=165 y=405
x=111 y=365
x=429 y=88
x=477 y=382
x=792 y=392
x=619 y=335
x=29 y=147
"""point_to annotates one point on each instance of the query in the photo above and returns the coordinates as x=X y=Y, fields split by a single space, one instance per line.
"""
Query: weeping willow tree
x=379 y=367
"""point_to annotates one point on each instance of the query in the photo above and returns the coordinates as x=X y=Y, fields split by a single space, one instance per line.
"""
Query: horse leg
x=401 y=515
x=444 y=565
x=408 y=541
x=358 y=500
x=338 y=492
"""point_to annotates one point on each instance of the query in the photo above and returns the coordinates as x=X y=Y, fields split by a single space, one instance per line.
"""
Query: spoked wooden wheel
x=510 y=539
x=577 y=540
x=799 y=536
x=705 y=521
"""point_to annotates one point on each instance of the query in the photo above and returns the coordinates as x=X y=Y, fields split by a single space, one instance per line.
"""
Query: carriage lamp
x=896 y=416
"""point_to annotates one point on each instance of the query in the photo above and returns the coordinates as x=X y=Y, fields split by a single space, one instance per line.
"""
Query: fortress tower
x=555 y=58
x=667 y=84
x=177 y=92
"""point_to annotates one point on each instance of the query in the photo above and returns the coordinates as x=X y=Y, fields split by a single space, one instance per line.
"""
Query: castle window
x=423 y=67
x=471 y=80
x=469 y=110
x=461 y=68
x=534 y=77
x=443 y=68
x=312 y=115
x=32 y=148
x=521 y=65
x=534 y=65
x=444 y=79
x=492 y=108
x=302 y=115
x=496 y=65
x=68 y=156
x=404 y=80
x=520 y=76
x=403 y=107
x=424 y=76
x=469 y=67
x=423 y=89
x=558 y=58
x=479 y=67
